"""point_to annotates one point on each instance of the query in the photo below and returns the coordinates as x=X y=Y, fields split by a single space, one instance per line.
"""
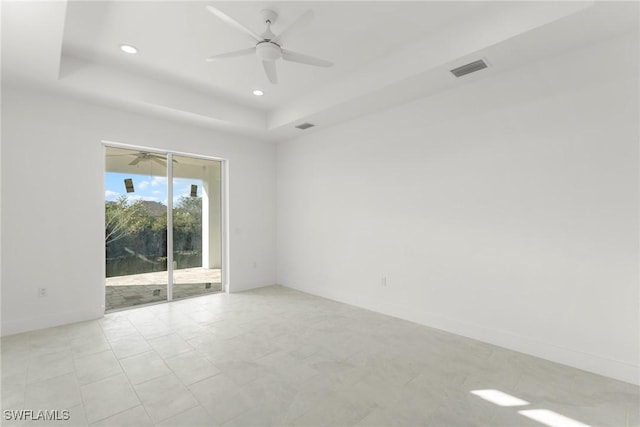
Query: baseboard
x=247 y=287
x=593 y=363
x=33 y=323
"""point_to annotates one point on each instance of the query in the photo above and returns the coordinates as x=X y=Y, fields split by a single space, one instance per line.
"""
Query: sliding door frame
x=224 y=209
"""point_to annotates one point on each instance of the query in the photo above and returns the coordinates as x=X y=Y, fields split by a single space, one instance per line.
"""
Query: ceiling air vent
x=471 y=67
x=305 y=126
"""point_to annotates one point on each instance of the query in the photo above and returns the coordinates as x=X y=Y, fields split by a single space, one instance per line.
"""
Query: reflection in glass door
x=196 y=243
x=135 y=227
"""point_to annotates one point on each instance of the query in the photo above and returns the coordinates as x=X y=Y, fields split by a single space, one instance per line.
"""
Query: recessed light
x=127 y=48
x=258 y=92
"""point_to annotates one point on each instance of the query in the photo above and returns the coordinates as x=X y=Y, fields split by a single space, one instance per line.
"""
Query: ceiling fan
x=268 y=47
x=144 y=157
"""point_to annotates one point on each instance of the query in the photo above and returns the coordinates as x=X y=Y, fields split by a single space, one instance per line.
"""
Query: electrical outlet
x=42 y=292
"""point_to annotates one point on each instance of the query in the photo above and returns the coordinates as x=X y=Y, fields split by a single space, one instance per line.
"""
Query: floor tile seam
x=173 y=356
x=109 y=331
x=204 y=379
x=208 y=357
x=371 y=409
x=171 y=372
x=156 y=336
x=117 y=413
x=33 y=354
x=242 y=412
x=175 y=374
x=219 y=371
x=101 y=379
x=110 y=344
x=129 y=379
x=148 y=379
x=311 y=407
x=75 y=357
x=89 y=335
x=152 y=320
x=124 y=373
x=83 y=403
x=179 y=413
x=236 y=417
x=85 y=343
x=150 y=350
x=187 y=385
x=50 y=341
x=4 y=375
x=51 y=378
x=127 y=338
x=23 y=392
x=38 y=333
x=70 y=338
x=205 y=407
x=132 y=355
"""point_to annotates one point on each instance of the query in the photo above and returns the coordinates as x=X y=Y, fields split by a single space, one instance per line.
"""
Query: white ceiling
x=385 y=53
x=174 y=38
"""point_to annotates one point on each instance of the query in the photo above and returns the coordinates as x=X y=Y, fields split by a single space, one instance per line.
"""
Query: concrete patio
x=137 y=289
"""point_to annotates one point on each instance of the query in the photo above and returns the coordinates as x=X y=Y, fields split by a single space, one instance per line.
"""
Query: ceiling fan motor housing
x=268 y=48
x=268 y=51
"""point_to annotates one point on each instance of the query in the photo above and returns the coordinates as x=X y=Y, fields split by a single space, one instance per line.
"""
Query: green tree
x=123 y=218
x=188 y=212
x=187 y=224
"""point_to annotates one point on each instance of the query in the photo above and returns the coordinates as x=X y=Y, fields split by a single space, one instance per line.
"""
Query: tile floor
x=275 y=356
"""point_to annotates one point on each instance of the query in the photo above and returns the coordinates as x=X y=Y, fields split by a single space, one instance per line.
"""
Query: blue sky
x=147 y=187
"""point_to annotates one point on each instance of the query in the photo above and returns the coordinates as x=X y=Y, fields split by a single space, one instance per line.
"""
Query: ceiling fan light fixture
x=269 y=46
x=127 y=48
x=268 y=51
x=258 y=92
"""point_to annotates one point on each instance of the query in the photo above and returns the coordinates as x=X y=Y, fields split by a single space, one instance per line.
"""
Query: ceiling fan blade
x=302 y=20
x=233 y=54
x=135 y=161
x=232 y=22
x=287 y=55
x=270 y=69
x=158 y=161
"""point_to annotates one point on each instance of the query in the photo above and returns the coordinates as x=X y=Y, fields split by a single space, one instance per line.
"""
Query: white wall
x=505 y=210
x=53 y=203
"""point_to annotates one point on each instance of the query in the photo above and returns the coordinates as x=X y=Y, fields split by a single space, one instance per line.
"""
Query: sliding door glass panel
x=197 y=237
x=135 y=228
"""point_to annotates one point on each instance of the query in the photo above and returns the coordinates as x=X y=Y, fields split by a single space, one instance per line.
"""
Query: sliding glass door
x=197 y=244
x=135 y=228
x=151 y=255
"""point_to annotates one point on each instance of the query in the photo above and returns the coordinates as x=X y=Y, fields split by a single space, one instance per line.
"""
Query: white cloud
x=111 y=195
x=156 y=192
x=143 y=184
x=158 y=180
